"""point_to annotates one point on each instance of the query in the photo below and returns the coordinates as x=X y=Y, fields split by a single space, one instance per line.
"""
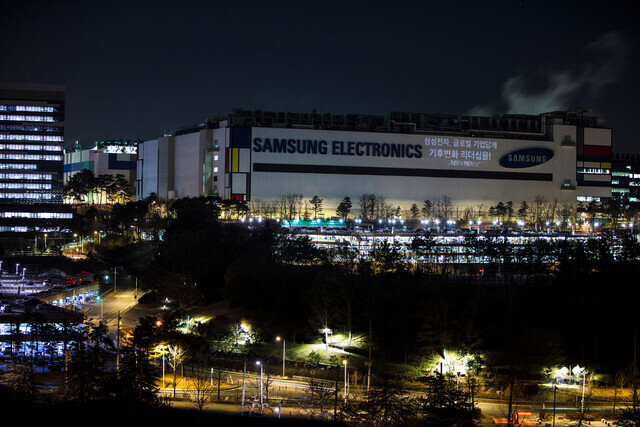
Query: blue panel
x=241 y=137
x=115 y=164
x=77 y=167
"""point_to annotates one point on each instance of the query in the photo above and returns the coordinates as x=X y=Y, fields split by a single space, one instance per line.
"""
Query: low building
x=110 y=158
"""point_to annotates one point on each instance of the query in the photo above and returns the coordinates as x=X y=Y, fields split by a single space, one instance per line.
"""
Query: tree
x=446 y=403
x=200 y=388
x=414 y=211
x=523 y=212
x=427 y=209
x=20 y=382
x=344 y=208
x=318 y=397
x=384 y=405
x=316 y=205
x=177 y=355
x=86 y=372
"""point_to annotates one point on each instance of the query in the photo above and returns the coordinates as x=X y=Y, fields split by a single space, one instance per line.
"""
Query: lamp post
x=584 y=379
x=283 y=353
x=555 y=388
x=17 y=265
x=45 y=242
x=344 y=362
x=261 y=371
x=163 y=385
x=326 y=332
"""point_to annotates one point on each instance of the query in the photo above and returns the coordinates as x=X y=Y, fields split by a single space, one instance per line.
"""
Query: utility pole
x=510 y=401
x=244 y=376
x=635 y=373
x=555 y=388
x=335 y=399
x=369 y=363
x=118 y=344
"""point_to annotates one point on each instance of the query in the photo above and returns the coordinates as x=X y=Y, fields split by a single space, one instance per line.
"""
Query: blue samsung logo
x=526 y=158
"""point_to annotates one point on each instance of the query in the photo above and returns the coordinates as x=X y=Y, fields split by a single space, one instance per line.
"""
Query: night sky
x=137 y=68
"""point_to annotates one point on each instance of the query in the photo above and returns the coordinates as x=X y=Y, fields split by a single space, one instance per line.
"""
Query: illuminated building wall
x=31 y=157
x=104 y=159
x=405 y=158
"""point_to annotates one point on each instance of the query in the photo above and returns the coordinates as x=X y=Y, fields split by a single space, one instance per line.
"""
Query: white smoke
x=563 y=90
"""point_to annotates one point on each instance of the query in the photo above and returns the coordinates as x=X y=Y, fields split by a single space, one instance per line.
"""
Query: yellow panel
x=235 y=157
x=605 y=165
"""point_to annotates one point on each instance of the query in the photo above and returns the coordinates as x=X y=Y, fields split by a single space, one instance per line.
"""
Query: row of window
x=28 y=108
x=21 y=118
x=27 y=166
x=594 y=171
x=54 y=138
x=17 y=229
x=41 y=196
x=39 y=176
x=30 y=128
x=24 y=186
x=38 y=215
x=30 y=147
x=46 y=157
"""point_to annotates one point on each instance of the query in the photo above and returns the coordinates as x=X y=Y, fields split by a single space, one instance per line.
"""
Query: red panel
x=238 y=197
x=597 y=150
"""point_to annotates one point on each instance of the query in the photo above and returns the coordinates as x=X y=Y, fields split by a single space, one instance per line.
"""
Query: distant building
x=407 y=158
x=31 y=158
x=625 y=176
x=116 y=157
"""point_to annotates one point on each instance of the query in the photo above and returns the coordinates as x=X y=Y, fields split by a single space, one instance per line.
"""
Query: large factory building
x=264 y=157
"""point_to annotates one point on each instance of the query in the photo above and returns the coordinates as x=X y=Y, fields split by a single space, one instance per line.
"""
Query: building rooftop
x=515 y=126
x=16 y=309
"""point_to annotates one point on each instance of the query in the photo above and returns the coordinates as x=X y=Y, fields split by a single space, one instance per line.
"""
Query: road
x=123 y=302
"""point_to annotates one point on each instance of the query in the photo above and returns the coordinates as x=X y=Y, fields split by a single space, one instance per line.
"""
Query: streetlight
x=17 y=265
x=326 y=332
x=45 y=242
x=283 y=353
x=584 y=379
x=162 y=347
x=555 y=388
x=344 y=362
x=260 y=364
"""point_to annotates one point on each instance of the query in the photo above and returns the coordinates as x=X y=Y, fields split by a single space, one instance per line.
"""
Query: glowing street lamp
x=584 y=380
x=261 y=372
x=283 y=353
x=344 y=362
x=326 y=332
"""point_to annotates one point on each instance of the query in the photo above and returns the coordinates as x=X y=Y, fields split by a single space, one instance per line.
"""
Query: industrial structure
x=405 y=158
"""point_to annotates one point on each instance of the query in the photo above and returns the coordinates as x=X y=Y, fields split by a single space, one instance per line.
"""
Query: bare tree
x=177 y=355
x=317 y=400
x=200 y=388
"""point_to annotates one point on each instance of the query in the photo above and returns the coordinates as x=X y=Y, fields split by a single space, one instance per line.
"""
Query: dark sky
x=135 y=68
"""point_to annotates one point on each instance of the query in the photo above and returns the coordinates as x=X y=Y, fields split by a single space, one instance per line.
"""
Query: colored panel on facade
x=79 y=166
x=241 y=137
x=239 y=183
x=605 y=165
x=115 y=164
x=597 y=150
x=227 y=159
x=244 y=161
x=238 y=197
x=234 y=159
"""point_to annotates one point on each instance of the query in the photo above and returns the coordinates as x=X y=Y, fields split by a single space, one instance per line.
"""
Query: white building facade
x=406 y=158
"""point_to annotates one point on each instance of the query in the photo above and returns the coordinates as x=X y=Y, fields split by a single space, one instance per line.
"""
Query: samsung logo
x=526 y=158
